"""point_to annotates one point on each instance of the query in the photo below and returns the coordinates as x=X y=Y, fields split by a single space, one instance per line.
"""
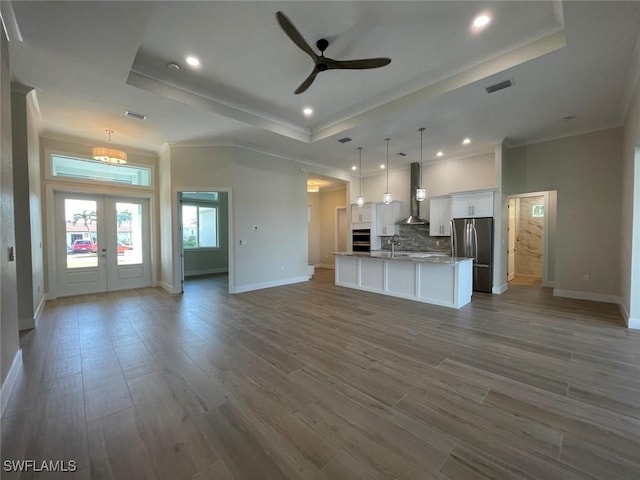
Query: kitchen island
x=425 y=277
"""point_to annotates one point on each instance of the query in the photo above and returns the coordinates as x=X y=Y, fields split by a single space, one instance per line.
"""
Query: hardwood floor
x=313 y=381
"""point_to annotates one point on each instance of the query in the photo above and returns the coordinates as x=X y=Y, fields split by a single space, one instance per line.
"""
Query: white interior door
x=101 y=243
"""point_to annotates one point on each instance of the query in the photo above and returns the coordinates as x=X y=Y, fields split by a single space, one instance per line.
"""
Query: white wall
x=35 y=208
x=9 y=344
x=630 y=214
x=315 y=227
x=166 y=207
x=267 y=192
x=329 y=202
x=585 y=170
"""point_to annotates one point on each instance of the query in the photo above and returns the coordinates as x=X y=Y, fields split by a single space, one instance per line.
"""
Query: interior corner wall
x=36 y=214
x=329 y=202
x=9 y=342
x=630 y=214
x=269 y=193
x=268 y=213
x=166 y=207
x=585 y=170
x=27 y=194
x=313 y=202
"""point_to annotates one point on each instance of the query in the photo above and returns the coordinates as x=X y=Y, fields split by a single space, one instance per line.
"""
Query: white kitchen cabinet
x=440 y=216
x=472 y=204
x=386 y=217
x=361 y=214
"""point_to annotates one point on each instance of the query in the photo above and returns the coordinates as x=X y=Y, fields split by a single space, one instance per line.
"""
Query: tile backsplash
x=415 y=238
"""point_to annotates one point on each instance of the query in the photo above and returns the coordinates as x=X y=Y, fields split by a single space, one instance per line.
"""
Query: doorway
x=531 y=222
x=342 y=229
x=203 y=219
x=101 y=243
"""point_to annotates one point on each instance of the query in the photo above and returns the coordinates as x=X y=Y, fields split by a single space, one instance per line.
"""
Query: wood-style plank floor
x=314 y=381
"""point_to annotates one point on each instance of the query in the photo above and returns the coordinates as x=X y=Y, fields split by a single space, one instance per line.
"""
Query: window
x=537 y=211
x=199 y=226
x=83 y=169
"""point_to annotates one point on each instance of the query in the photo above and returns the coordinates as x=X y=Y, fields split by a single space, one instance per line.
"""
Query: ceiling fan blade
x=294 y=35
x=308 y=81
x=357 y=64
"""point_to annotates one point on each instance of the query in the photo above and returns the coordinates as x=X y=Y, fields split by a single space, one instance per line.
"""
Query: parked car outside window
x=80 y=246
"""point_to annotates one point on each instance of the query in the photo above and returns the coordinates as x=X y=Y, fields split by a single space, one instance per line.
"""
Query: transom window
x=92 y=170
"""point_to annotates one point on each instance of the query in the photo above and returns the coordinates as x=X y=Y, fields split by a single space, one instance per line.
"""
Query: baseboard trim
x=40 y=309
x=207 y=271
x=167 y=287
x=274 y=283
x=633 y=322
x=595 y=297
x=501 y=289
x=9 y=382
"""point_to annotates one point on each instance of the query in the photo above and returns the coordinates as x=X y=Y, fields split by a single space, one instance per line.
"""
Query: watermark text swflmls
x=39 y=465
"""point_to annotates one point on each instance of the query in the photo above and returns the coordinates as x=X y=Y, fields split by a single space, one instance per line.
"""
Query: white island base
x=445 y=282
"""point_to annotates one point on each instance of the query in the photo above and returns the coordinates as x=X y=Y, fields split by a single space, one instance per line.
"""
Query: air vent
x=344 y=140
x=139 y=116
x=401 y=154
x=499 y=86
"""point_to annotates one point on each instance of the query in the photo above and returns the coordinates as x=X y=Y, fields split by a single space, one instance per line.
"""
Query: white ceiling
x=90 y=61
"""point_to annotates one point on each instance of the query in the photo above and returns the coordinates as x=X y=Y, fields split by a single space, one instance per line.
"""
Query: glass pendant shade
x=387 y=198
x=421 y=193
x=360 y=201
x=110 y=156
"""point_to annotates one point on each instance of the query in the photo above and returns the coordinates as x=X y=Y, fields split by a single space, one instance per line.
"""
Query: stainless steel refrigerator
x=473 y=237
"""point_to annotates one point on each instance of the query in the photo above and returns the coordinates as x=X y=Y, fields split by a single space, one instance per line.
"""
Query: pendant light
x=360 y=198
x=387 y=198
x=110 y=156
x=421 y=192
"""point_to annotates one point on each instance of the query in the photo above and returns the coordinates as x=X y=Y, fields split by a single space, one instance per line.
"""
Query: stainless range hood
x=414 y=217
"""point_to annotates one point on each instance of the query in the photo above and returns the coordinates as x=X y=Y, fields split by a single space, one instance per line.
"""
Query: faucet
x=395 y=240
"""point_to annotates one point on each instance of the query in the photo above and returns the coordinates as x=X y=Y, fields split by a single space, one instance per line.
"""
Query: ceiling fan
x=323 y=63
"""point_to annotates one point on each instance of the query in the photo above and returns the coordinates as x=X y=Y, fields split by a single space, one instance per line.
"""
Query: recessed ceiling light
x=307 y=111
x=382 y=166
x=481 y=21
x=193 y=61
x=466 y=141
x=354 y=168
x=439 y=154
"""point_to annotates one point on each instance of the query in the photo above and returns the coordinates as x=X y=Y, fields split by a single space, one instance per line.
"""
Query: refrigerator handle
x=467 y=238
x=453 y=238
x=475 y=241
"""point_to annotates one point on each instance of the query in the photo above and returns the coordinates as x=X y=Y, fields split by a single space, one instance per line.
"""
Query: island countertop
x=430 y=257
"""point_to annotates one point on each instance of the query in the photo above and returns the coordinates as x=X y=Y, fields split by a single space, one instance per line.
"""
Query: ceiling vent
x=499 y=86
x=139 y=116
x=344 y=140
x=401 y=154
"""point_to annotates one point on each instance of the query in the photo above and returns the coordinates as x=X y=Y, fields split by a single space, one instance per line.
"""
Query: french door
x=101 y=243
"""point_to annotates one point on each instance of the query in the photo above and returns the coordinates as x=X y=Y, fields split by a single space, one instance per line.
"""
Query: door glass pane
x=81 y=226
x=129 y=233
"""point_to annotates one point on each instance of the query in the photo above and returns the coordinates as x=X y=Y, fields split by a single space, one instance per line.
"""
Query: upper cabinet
x=472 y=204
x=440 y=216
x=361 y=214
x=386 y=217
